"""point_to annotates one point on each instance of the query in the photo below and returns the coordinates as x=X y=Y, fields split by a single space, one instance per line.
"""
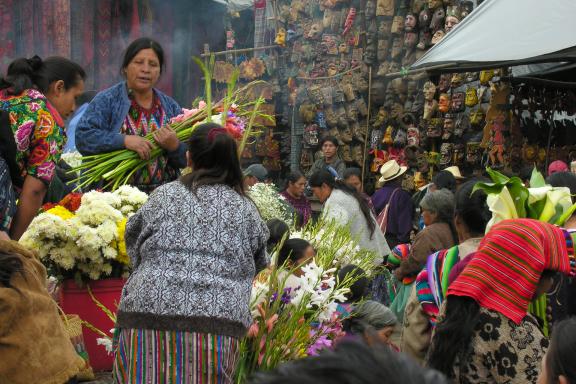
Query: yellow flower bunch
x=121 y=245
x=61 y=212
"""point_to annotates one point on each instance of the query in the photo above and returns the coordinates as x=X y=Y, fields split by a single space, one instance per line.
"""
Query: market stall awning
x=503 y=33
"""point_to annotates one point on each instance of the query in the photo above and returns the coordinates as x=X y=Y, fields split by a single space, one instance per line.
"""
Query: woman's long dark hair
x=325 y=177
x=36 y=73
x=561 y=356
x=9 y=265
x=292 y=250
x=472 y=208
x=214 y=156
x=453 y=334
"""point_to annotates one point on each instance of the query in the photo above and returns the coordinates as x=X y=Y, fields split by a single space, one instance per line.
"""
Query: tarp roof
x=501 y=33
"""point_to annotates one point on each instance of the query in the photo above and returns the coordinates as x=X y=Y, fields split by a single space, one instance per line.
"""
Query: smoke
x=95 y=34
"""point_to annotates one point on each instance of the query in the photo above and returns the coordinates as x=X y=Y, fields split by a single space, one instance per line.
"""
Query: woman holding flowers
x=120 y=116
x=38 y=96
x=347 y=207
x=195 y=248
x=486 y=334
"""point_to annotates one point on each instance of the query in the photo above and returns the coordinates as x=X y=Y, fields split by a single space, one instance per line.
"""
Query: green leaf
x=566 y=215
x=519 y=195
x=537 y=180
x=535 y=209
x=496 y=176
x=488 y=188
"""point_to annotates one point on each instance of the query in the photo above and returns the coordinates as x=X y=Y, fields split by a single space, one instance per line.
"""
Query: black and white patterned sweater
x=194 y=258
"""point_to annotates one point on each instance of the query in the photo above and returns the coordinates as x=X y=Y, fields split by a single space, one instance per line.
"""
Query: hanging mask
x=384 y=29
x=457 y=104
x=429 y=90
x=370 y=10
x=424 y=40
x=419 y=180
x=486 y=76
x=462 y=125
x=471 y=97
x=433 y=4
x=382 y=49
x=444 y=103
x=410 y=40
x=430 y=108
x=413 y=137
x=444 y=83
x=311 y=136
x=473 y=152
x=448 y=129
x=438 y=36
x=456 y=80
x=434 y=129
x=477 y=117
x=380 y=157
x=459 y=153
x=396 y=48
x=424 y=19
x=446 y=150
x=410 y=22
x=397 y=25
x=437 y=22
x=315 y=31
x=385 y=8
x=471 y=76
x=400 y=138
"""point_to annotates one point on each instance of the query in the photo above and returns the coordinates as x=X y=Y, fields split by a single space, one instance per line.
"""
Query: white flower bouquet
x=270 y=203
x=82 y=237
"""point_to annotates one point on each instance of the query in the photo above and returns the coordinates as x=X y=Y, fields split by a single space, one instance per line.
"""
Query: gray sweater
x=194 y=258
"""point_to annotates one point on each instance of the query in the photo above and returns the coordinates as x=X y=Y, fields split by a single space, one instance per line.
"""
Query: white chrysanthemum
x=107 y=197
x=96 y=212
x=73 y=159
x=108 y=231
x=131 y=196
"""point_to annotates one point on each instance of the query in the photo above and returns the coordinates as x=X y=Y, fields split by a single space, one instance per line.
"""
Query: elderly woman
x=371 y=321
x=438 y=214
x=470 y=219
x=120 y=117
x=486 y=334
x=346 y=206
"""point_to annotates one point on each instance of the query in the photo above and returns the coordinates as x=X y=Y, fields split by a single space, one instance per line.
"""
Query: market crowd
x=456 y=309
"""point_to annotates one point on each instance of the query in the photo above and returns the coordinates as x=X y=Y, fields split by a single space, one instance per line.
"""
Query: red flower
x=47 y=207
x=71 y=201
x=39 y=154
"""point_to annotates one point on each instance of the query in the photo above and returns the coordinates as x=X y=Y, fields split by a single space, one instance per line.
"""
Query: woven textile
x=505 y=271
x=432 y=282
x=157 y=357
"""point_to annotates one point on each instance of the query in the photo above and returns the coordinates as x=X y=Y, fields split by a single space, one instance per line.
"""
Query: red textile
x=503 y=274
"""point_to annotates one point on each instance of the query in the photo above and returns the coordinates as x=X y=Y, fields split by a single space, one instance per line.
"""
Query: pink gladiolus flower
x=253 y=330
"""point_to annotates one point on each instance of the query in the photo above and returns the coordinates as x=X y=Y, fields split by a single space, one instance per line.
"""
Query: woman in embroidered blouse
x=120 y=117
x=38 y=95
x=294 y=194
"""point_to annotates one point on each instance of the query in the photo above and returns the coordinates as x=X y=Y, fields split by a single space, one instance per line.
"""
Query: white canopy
x=505 y=33
x=236 y=5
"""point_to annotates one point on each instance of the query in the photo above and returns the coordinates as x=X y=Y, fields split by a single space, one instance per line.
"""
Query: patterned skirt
x=146 y=356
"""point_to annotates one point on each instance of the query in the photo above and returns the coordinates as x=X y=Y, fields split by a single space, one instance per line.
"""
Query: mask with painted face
x=397 y=25
x=448 y=128
x=434 y=129
x=457 y=104
x=410 y=40
x=413 y=137
x=473 y=153
x=444 y=102
x=437 y=37
x=471 y=97
x=446 y=151
x=396 y=48
x=430 y=108
x=429 y=90
x=410 y=22
x=385 y=8
x=424 y=19
x=437 y=22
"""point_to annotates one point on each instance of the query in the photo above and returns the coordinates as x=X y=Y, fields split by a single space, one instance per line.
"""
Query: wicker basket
x=73 y=325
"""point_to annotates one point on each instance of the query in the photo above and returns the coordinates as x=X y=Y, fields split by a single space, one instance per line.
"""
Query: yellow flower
x=61 y=212
x=122 y=253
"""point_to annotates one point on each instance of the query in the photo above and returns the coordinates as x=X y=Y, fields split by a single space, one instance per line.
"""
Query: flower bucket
x=75 y=299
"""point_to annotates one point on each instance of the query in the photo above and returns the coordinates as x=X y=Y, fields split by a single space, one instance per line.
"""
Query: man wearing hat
x=396 y=220
x=255 y=173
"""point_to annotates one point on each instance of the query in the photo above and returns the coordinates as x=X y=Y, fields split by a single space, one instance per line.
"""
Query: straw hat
x=455 y=171
x=391 y=170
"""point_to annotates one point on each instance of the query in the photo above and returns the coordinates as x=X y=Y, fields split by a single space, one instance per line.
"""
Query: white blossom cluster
x=270 y=203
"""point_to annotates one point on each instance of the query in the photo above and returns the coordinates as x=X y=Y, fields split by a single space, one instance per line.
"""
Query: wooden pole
x=366 y=138
x=235 y=51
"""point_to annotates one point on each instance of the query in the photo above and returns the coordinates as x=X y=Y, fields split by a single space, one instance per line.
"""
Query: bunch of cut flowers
x=82 y=237
x=270 y=203
x=233 y=112
x=295 y=309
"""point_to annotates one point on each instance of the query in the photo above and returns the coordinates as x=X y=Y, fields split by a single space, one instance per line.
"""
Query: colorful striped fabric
x=504 y=273
x=171 y=357
x=432 y=281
